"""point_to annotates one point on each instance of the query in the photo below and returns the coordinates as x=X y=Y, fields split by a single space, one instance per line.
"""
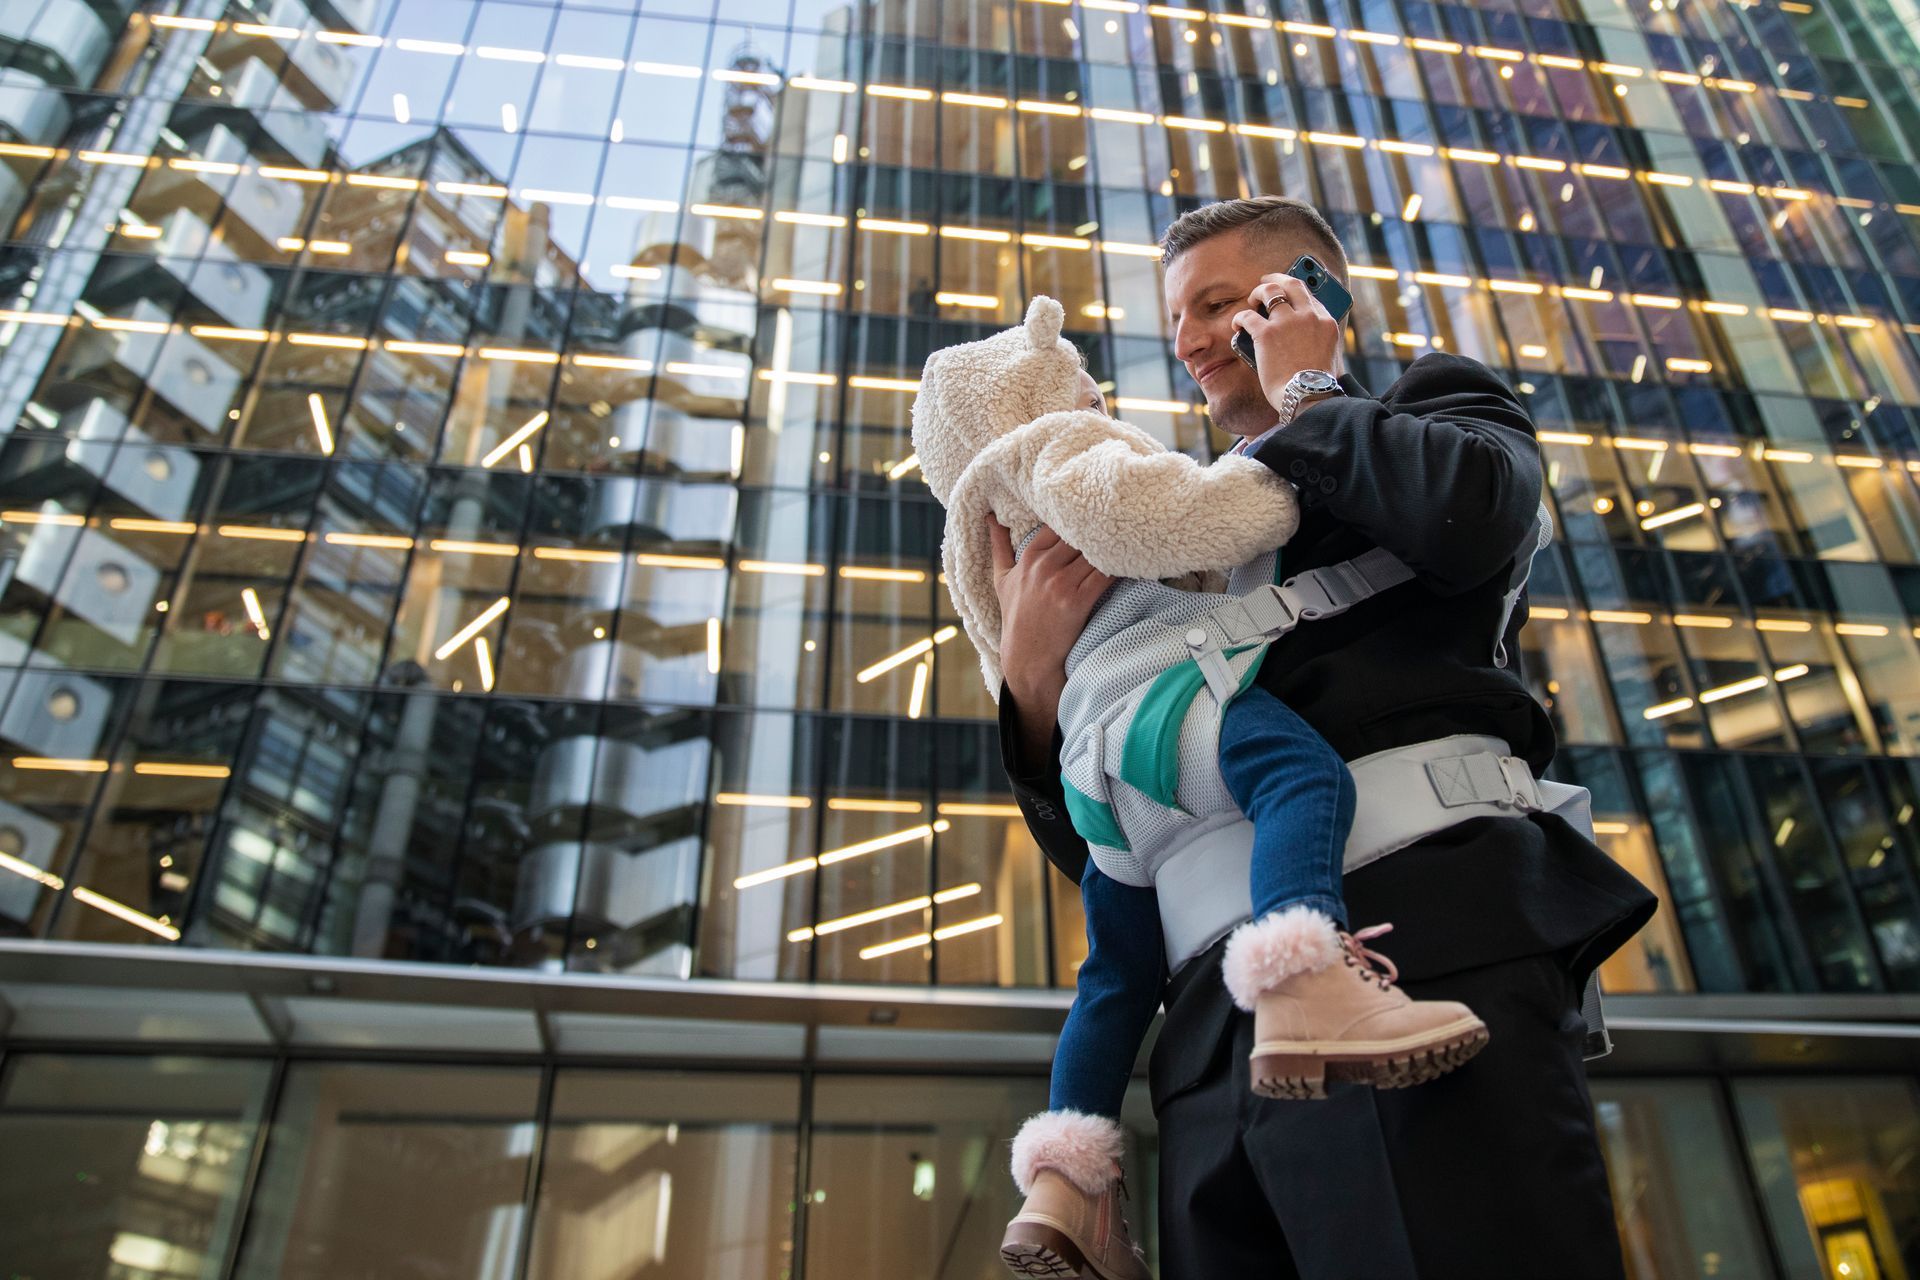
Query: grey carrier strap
x=1267 y=613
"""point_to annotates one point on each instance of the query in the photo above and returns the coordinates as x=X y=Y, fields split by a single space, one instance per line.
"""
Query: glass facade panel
x=1834 y=1161
x=114 y=1167
x=375 y=1169
x=120 y=1165
x=667 y=1175
x=1676 y=1174
x=899 y=1183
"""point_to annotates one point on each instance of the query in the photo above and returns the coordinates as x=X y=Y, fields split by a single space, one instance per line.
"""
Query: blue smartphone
x=1320 y=283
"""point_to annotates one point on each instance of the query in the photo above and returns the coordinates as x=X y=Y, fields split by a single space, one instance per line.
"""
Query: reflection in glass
x=1706 y=801
x=1835 y=1163
x=1676 y=1179
x=382 y=1170
x=1809 y=869
x=1881 y=880
x=907 y=1183
x=1655 y=959
x=679 y=1177
x=117 y=1167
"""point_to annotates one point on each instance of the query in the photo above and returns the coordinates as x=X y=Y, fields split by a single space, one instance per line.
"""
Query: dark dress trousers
x=1493 y=1171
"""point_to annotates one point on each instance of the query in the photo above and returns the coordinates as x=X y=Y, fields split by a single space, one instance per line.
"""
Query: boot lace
x=1371 y=964
x=1126 y=1228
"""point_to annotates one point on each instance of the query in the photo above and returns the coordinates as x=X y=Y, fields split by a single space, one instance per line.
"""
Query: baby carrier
x=1141 y=766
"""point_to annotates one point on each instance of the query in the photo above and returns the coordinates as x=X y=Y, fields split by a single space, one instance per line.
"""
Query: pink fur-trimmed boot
x=1067 y=1165
x=1325 y=1008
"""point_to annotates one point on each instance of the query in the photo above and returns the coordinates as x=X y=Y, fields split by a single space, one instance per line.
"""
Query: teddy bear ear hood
x=1045 y=318
x=976 y=392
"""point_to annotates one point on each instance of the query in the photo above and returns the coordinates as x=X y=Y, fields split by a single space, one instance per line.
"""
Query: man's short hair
x=1263 y=216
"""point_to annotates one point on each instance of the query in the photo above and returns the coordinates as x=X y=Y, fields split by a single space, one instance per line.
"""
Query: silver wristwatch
x=1307 y=382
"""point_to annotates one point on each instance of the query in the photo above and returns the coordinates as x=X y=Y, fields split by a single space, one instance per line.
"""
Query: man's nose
x=1189 y=339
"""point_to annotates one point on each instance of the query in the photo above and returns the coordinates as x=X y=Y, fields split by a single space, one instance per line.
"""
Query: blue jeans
x=1299 y=794
x=1116 y=996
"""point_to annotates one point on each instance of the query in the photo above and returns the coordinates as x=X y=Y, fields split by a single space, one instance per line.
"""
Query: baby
x=1012 y=428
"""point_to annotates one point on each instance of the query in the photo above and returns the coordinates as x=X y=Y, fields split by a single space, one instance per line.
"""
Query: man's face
x=1206 y=286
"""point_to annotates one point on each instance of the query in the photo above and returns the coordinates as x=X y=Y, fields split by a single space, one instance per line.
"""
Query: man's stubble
x=1242 y=412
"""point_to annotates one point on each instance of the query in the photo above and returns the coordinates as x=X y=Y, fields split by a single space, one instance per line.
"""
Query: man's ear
x=1045 y=319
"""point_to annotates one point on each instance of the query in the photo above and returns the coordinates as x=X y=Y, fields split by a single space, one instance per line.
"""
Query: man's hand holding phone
x=1290 y=330
x=1294 y=325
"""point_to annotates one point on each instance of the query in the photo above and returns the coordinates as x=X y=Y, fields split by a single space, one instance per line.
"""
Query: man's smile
x=1210 y=368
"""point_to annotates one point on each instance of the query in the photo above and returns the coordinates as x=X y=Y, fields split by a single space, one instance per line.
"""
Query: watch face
x=1313 y=381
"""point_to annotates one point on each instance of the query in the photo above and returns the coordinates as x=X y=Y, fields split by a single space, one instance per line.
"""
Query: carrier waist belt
x=1402 y=796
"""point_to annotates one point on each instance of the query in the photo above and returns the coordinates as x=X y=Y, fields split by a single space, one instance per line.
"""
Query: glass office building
x=490 y=780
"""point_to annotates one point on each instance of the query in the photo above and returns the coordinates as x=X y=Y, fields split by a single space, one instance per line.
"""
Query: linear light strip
x=520 y=436
x=317 y=408
x=888 y=912
x=1170 y=13
x=898 y=944
x=751 y=801
x=894 y=226
x=139 y=919
x=880 y=843
x=938 y=935
x=1109 y=114
x=907 y=654
x=472 y=629
x=22 y=868
x=59 y=764
x=949 y=808
x=1678 y=364
x=967 y=926
x=163 y=769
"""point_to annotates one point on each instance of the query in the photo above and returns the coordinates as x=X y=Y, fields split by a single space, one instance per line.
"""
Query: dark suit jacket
x=1443 y=471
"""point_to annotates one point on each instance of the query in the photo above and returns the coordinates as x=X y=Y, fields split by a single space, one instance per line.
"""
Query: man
x=1493 y=1171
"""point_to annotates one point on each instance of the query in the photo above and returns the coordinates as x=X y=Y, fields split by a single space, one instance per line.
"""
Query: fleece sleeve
x=1135 y=509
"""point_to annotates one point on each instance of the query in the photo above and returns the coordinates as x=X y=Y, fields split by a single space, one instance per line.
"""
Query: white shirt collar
x=1249 y=444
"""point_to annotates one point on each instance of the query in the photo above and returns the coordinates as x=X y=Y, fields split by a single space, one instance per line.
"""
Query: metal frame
x=257 y=1002
x=1729 y=1108
x=256 y=1161
x=536 y=1168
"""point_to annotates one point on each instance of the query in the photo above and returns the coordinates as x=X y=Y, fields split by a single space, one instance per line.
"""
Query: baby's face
x=1090 y=397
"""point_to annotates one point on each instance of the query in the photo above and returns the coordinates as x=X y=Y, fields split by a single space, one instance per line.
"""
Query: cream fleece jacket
x=999 y=439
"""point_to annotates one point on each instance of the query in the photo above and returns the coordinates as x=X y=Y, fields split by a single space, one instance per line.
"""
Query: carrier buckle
x=1524 y=790
x=1484 y=778
x=1271 y=611
x=1310 y=596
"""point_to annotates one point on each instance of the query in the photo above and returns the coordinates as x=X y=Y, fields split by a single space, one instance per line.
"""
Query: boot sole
x=1034 y=1248
x=1302 y=1071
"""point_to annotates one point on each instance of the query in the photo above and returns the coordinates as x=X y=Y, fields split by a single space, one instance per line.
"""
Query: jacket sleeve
x=1443 y=470
x=1041 y=797
x=1136 y=509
